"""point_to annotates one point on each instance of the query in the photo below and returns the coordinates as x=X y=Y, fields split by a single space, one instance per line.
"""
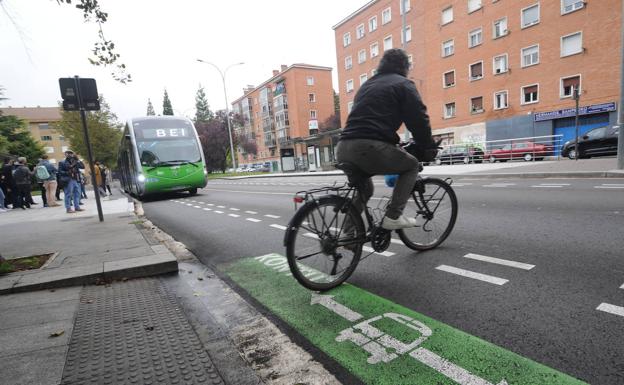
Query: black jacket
x=380 y=106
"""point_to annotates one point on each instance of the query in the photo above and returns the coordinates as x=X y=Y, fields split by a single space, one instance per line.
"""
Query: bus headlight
x=205 y=172
x=141 y=178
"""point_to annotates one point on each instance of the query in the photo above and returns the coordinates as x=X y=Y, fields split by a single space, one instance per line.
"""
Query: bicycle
x=320 y=224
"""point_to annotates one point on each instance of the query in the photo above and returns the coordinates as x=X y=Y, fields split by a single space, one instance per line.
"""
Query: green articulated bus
x=161 y=154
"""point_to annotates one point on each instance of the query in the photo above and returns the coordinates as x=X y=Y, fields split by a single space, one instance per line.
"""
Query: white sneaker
x=401 y=222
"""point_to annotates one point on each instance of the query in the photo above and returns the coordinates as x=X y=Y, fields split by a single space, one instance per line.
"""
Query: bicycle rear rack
x=307 y=195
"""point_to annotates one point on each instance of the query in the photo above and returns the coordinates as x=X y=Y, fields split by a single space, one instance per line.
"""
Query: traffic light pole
x=83 y=116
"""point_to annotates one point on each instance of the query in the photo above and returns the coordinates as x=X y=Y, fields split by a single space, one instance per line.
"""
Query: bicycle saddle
x=353 y=172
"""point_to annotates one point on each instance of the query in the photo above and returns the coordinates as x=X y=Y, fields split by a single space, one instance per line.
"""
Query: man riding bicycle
x=370 y=141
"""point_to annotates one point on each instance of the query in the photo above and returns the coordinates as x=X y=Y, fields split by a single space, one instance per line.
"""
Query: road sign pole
x=83 y=116
x=576 y=122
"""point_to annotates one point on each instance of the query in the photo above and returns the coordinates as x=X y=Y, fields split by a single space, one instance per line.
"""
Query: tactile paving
x=134 y=332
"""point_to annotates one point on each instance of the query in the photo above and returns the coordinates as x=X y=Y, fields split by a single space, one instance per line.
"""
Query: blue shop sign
x=585 y=110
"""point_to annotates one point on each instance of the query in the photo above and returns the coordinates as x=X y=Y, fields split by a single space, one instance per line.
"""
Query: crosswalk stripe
x=272 y=216
x=251 y=212
x=207 y=209
x=254 y=220
x=612 y=309
x=279 y=227
x=473 y=275
x=218 y=212
x=234 y=215
x=498 y=261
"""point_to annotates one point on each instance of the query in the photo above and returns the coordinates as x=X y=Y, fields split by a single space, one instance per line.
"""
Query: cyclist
x=370 y=141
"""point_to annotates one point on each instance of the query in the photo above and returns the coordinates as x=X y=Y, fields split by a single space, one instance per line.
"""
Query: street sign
x=79 y=92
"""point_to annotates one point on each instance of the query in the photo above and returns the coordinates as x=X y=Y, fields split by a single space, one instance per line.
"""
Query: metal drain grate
x=134 y=333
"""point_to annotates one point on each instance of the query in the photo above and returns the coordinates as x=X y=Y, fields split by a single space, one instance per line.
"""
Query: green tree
x=202 y=109
x=105 y=133
x=167 y=108
x=17 y=139
x=150 y=108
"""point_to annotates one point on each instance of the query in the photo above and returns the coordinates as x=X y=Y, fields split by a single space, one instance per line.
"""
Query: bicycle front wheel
x=324 y=242
x=434 y=205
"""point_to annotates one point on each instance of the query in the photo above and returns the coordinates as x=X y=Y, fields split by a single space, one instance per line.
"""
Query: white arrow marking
x=329 y=303
x=449 y=369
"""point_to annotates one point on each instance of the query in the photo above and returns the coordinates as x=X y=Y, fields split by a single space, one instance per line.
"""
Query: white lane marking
x=197 y=207
x=209 y=204
x=255 y=192
x=221 y=207
x=254 y=220
x=499 y=185
x=272 y=216
x=188 y=204
x=251 y=212
x=473 y=275
x=234 y=209
x=498 y=261
x=398 y=242
x=279 y=226
x=207 y=209
x=612 y=309
x=547 y=186
x=234 y=215
x=328 y=302
x=609 y=187
x=218 y=212
x=365 y=248
x=622 y=287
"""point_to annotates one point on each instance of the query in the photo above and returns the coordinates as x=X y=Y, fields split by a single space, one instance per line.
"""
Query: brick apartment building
x=282 y=115
x=39 y=121
x=493 y=69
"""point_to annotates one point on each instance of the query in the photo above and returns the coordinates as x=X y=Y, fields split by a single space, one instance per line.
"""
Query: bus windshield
x=166 y=142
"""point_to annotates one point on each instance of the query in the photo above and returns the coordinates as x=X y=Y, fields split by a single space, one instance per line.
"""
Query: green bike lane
x=381 y=342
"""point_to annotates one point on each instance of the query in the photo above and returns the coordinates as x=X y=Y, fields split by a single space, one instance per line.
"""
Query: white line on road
x=499 y=185
x=498 y=261
x=613 y=309
x=622 y=287
x=548 y=186
x=610 y=187
x=221 y=207
x=279 y=226
x=473 y=275
x=371 y=250
x=188 y=204
x=209 y=204
x=234 y=209
x=207 y=209
x=254 y=220
x=272 y=216
x=197 y=207
x=234 y=215
x=251 y=212
x=218 y=212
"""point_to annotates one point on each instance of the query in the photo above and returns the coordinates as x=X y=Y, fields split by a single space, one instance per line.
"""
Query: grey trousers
x=380 y=158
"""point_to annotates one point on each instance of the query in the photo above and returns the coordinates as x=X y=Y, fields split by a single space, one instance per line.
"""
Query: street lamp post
x=227 y=108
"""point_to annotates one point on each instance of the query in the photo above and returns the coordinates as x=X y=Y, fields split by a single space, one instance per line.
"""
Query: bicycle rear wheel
x=324 y=242
x=434 y=206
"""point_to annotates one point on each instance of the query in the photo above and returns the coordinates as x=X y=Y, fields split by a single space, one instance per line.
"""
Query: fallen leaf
x=57 y=334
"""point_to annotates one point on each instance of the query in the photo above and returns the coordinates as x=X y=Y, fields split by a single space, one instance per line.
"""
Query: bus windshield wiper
x=179 y=162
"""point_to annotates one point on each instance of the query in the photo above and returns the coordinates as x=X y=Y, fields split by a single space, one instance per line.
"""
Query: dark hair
x=44 y=156
x=394 y=60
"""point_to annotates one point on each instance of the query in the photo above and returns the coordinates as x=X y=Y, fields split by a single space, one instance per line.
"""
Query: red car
x=519 y=150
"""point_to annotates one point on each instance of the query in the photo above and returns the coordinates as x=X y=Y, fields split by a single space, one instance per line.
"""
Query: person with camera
x=370 y=141
x=69 y=171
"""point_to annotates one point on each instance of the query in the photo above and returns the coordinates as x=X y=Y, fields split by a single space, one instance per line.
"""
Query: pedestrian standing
x=99 y=178
x=22 y=177
x=69 y=169
x=108 y=179
x=46 y=173
x=6 y=182
x=2 y=209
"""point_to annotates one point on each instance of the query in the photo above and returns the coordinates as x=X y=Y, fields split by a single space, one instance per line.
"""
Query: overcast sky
x=159 y=41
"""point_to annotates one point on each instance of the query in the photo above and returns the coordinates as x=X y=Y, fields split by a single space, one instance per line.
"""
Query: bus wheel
x=193 y=191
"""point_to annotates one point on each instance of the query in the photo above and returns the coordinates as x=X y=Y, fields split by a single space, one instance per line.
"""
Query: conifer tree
x=167 y=108
x=150 y=108
x=202 y=109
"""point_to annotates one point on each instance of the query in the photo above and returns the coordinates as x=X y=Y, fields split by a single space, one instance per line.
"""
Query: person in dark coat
x=6 y=181
x=22 y=177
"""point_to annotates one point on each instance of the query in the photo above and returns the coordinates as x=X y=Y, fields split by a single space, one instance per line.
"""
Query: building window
x=386 y=16
x=363 y=79
x=530 y=56
x=447 y=15
x=500 y=64
x=49 y=150
x=569 y=84
x=348 y=63
x=500 y=28
x=530 y=94
x=448 y=48
x=46 y=138
x=362 y=56
x=473 y=5
x=408 y=34
x=349 y=107
x=448 y=80
x=43 y=126
x=476 y=71
x=61 y=138
x=568 y=6
x=475 y=37
x=404 y=4
x=349 y=85
x=572 y=44
x=476 y=105
x=374 y=72
x=310 y=80
x=374 y=50
x=312 y=98
x=530 y=16
x=346 y=39
x=387 y=43
x=500 y=100
x=449 y=110
x=312 y=114
x=372 y=24
x=359 y=31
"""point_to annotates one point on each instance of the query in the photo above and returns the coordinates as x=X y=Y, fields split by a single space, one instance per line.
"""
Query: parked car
x=460 y=154
x=597 y=142
x=519 y=150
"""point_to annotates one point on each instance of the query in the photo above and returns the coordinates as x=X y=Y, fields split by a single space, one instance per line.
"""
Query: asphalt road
x=571 y=230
